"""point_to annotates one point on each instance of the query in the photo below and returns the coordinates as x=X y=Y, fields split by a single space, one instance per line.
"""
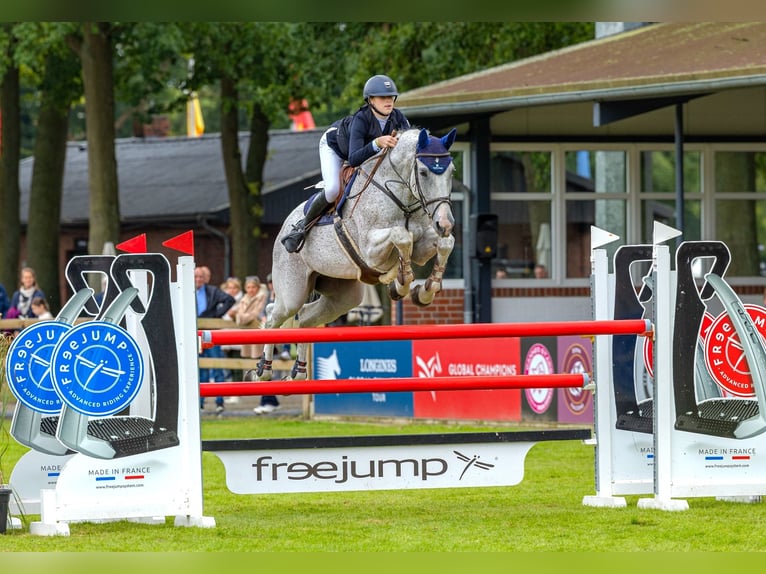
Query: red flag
x=135 y=245
x=183 y=243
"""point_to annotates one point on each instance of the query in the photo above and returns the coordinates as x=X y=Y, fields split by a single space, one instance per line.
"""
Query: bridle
x=416 y=189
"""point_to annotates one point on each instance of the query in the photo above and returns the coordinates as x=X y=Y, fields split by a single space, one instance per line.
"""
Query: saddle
x=347 y=174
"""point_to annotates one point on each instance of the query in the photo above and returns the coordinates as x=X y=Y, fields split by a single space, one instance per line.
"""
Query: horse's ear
x=423 y=139
x=449 y=139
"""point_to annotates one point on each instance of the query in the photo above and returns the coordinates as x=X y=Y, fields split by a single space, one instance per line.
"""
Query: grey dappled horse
x=397 y=212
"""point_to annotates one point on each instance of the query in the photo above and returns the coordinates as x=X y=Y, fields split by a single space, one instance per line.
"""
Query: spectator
x=540 y=271
x=21 y=302
x=269 y=403
x=41 y=309
x=212 y=302
x=501 y=273
x=285 y=353
x=232 y=286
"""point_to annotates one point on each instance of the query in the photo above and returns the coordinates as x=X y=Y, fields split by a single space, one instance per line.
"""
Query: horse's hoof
x=416 y=297
x=298 y=372
x=393 y=293
x=250 y=375
x=263 y=370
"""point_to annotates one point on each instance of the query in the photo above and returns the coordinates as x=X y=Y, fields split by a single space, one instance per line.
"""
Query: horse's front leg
x=432 y=285
x=398 y=277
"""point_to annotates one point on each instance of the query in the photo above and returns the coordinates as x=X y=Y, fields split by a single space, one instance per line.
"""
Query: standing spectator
x=250 y=315
x=21 y=302
x=41 y=309
x=232 y=286
x=285 y=353
x=213 y=303
x=540 y=271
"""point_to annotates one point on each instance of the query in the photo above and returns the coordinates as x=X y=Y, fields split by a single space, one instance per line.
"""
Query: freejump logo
x=538 y=362
x=725 y=357
x=471 y=462
x=97 y=368
x=347 y=469
x=28 y=366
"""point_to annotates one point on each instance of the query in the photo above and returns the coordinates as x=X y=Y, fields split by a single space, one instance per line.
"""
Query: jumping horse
x=397 y=211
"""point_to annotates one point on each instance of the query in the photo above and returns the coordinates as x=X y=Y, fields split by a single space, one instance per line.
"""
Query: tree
x=10 y=145
x=93 y=45
x=54 y=71
x=250 y=63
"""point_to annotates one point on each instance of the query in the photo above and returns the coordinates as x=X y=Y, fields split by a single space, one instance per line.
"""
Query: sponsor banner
x=539 y=358
x=363 y=360
x=374 y=468
x=575 y=355
x=478 y=357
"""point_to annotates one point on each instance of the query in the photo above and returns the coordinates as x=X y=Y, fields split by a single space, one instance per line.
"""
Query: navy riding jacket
x=363 y=129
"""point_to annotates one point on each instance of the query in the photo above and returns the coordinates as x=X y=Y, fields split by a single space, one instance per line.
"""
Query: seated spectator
x=41 y=309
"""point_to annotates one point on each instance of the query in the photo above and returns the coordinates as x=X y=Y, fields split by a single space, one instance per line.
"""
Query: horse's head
x=432 y=174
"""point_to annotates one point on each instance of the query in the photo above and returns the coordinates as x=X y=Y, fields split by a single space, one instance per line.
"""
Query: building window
x=740 y=209
x=596 y=188
x=658 y=196
x=521 y=196
x=547 y=197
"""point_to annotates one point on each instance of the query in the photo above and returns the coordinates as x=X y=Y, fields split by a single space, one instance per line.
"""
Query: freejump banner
x=116 y=445
x=681 y=415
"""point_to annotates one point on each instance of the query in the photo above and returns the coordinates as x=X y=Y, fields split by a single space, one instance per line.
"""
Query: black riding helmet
x=380 y=85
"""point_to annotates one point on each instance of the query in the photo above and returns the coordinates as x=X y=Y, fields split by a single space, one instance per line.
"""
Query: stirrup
x=295 y=239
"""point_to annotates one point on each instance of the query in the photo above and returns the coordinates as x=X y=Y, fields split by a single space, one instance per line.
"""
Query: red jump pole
x=329 y=386
x=211 y=338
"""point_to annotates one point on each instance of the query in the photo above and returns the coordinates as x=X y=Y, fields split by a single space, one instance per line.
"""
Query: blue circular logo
x=97 y=368
x=28 y=366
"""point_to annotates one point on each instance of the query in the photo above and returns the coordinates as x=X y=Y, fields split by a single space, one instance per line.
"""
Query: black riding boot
x=294 y=240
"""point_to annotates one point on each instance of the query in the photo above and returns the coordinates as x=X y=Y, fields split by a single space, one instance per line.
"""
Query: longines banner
x=363 y=360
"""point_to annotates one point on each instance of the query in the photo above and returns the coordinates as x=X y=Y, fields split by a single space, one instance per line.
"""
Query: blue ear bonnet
x=433 y=153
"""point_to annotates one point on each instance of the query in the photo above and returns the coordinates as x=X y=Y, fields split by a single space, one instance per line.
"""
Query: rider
x=353 y=139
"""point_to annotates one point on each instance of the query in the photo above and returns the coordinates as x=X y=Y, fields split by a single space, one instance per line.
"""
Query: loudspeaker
x=485 y=227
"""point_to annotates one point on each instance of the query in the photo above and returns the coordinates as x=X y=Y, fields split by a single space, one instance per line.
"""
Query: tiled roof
x=179 y=178
x=654 y=60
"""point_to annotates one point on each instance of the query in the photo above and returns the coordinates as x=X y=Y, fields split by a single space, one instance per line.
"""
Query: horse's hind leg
x=432 y=285
x=336 y=297
x=277 y=316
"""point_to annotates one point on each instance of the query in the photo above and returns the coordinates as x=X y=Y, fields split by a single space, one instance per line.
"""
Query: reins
x=408 y=210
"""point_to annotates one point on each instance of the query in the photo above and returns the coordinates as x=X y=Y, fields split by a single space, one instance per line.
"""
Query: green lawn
x=543 y=513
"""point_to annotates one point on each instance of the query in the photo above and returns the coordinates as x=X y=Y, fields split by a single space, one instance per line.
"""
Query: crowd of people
x=247 y=309
x=28 y=300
